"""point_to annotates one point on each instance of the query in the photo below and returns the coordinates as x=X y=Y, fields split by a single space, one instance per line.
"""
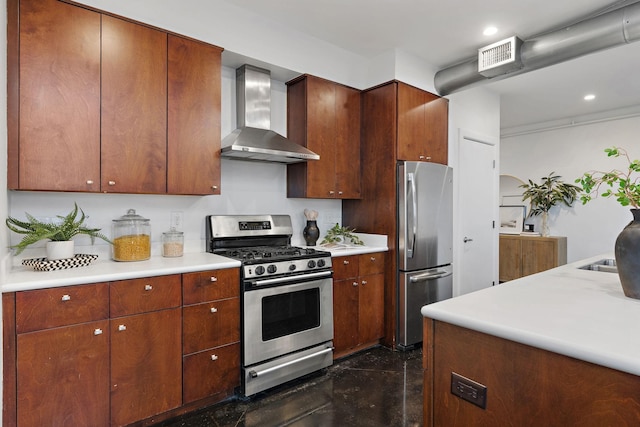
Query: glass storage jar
x=131 y=237
x=172 y=243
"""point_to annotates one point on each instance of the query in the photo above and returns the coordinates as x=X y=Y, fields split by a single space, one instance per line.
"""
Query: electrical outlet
x=176 y=220
x=469 y=390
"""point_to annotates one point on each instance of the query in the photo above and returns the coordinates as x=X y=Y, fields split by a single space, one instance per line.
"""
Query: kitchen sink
x=606 y=265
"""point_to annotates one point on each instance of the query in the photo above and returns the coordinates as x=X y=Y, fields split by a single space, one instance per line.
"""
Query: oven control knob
x=259 y=270
x=321 y=263
x=292 y=267
x=311 y=264
x=272 y=268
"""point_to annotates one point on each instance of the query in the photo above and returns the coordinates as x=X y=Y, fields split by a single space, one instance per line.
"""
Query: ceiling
x=447 y=32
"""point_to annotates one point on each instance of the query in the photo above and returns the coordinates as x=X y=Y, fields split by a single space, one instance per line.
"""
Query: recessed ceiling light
x=589 y=97
x=489 y=31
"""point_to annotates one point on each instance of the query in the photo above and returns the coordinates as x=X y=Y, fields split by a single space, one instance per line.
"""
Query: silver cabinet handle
x=122 y=328
x=345 y=262
x=466 y=239
x=97 y=331
x=66 y=297
x=340 y=193
x=331 y=192
x=214 y=357
x=364 y=282
x=148 y=287
x=214 y=279
x=214 y=310
x=112 y=183
x=355 y=284
x=214 y=187
x=373 y=259
x=89 y=182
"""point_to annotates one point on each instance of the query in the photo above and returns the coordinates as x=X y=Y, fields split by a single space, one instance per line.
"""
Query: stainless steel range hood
x=253 y=140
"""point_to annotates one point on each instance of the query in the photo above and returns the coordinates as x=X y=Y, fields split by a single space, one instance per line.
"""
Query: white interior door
x=476 y=233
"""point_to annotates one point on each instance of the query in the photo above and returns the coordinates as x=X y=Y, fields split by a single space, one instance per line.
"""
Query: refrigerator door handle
x=429 y=276
x=413 y=218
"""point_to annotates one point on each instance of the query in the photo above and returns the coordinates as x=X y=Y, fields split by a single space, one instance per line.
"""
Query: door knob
x=466 y=239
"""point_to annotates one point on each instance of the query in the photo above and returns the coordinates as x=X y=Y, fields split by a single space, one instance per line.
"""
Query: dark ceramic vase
x=311 y=233
x=627 y=252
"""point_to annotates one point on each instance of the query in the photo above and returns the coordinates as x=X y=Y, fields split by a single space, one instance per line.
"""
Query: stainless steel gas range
x=287 y=298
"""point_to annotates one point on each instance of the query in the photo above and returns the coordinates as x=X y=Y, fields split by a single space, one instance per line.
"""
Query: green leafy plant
x=65 y=229
x=619 y=184
x=338 y=234
x=550 y=192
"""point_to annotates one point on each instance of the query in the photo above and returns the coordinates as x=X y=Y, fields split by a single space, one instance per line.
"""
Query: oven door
x=282 y=319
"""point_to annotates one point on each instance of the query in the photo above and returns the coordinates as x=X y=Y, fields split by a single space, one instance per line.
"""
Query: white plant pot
x=60 y=250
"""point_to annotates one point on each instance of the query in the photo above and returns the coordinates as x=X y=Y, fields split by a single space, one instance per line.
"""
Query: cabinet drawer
x=210 y=285
x=210 y=325
x=371 y=263
x=54 y=307
x=142 y=295
x=345 y=267
x=211 y=372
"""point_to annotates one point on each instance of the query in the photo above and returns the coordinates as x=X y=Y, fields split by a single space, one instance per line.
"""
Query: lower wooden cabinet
x=112 y=353
x=358 y=302
x=524 y=255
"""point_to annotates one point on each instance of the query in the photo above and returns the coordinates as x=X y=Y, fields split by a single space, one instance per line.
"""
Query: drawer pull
x=355 y=283
x=148 y=287
x=66 y=297
x=373 y=259
x=345 y=262
x=97 y=331
x=89 y=182
x=122 y=328
x=214 y=187
x=364 y=282
x=214 y=357
x=214 y=279
x=214 y=310
x=112 y=183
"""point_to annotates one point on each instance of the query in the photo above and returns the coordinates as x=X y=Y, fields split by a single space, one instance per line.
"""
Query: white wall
x=591 y=229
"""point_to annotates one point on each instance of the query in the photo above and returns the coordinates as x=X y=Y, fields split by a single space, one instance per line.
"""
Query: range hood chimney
x=604 y=31
x=254 y=140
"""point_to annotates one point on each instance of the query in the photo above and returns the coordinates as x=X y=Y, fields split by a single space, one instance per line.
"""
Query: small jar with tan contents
x=131 y=237
x=172 y=243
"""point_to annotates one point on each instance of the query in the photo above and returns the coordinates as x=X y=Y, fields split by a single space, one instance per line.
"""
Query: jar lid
x=173 y=233
x=131 y=216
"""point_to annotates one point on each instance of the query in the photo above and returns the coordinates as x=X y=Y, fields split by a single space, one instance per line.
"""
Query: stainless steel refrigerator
x=425 y=240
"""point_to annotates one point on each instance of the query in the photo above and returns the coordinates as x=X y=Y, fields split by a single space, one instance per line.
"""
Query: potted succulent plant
x=61 y=231
x=550 y=192
x=340 y=235
x=624 y=185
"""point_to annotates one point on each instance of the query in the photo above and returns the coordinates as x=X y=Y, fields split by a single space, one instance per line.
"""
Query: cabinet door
x=146 y=365
x=210 y=324
x=193 y=138
x=371 y=308
x=211 y=372
x=210 y=285
x=347 y=142
x=510 y=258
x=345 y=314
x=63 y=376
x=345 y=267
x=59 y=98
x=422 y=125
x=538 y=255
x=321 y=138
x=134 y=108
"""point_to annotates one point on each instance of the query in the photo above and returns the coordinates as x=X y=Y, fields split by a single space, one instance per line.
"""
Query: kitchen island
x=553 y=348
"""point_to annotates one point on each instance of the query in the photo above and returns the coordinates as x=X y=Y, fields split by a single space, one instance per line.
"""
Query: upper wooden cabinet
x=324 y=117
x=99 y=103
x=55 y=143
x=422 y=125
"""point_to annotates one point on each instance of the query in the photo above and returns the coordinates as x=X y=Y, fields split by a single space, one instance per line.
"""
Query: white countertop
x=579 y=313
x=21 y=278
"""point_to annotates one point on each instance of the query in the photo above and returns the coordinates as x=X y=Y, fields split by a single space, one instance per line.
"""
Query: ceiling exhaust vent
x=500 y=58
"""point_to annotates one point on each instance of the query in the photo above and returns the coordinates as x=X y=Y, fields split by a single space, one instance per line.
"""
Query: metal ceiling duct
x=601 y=32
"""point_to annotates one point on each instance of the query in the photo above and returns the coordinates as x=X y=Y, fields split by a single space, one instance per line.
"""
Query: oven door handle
x=256 y=374
x=297 y=278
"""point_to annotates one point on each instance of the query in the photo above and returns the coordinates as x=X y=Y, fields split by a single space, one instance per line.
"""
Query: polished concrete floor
x=376 y=387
